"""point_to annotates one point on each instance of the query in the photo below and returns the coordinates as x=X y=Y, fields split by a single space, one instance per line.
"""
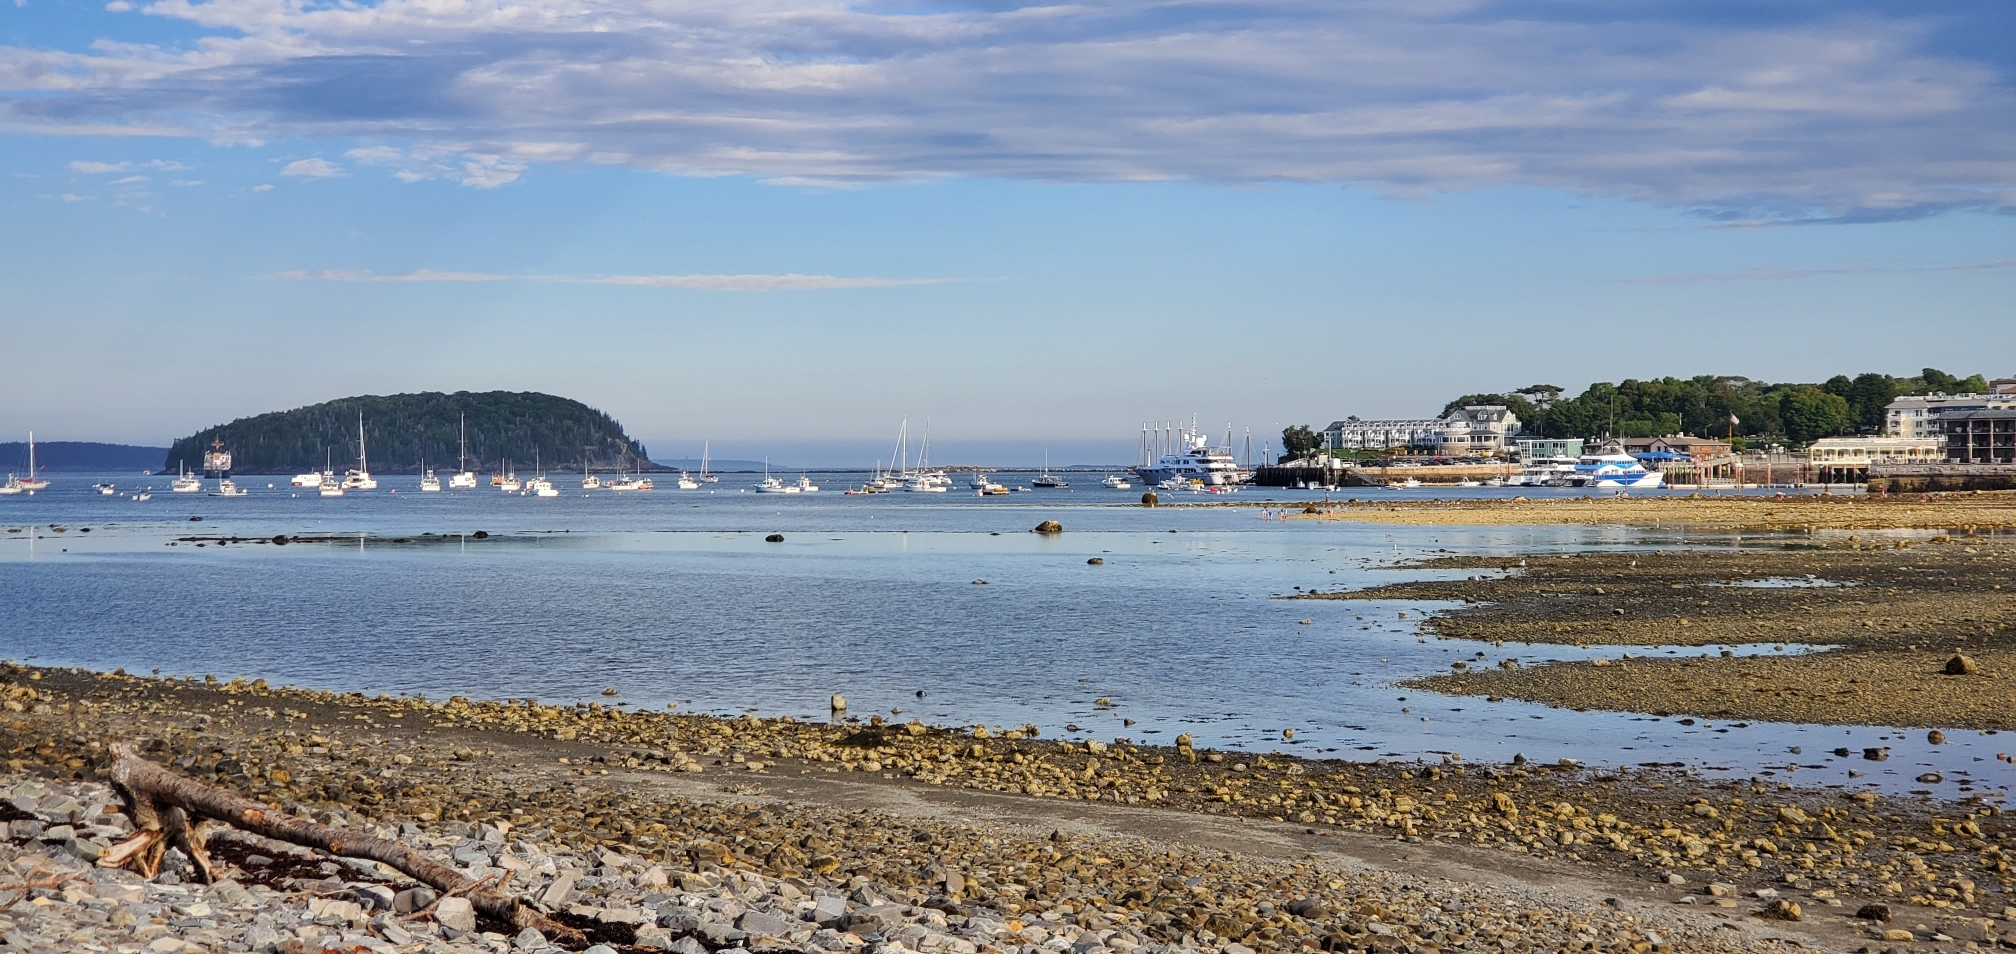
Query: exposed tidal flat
x=1053 y=695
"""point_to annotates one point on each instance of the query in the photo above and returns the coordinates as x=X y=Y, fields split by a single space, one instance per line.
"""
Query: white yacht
x=1196 y=460
x=226 y=488
x=186 y=482
x=1116 y=482
x=430 y=484
x=687 y=483
x=360 y=479
x=1543 y=472
x=310 y=480
x=1614 y=472
x=106 y=490
x=464 y=479
x=771 y=485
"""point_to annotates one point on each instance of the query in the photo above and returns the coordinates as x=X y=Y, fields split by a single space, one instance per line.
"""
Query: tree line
x=1703 y=406
x=403 y=430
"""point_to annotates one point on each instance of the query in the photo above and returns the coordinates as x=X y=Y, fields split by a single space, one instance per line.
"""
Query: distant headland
x=401 y=431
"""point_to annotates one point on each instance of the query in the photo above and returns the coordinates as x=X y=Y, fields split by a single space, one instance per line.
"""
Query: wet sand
x=1799 y=512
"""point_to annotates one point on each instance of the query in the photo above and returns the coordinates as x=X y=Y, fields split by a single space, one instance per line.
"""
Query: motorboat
x=510 y=484
x=12 y=487
x=926 y=484
x=806 y=486
x=1047 y=479
x=186 y=482
x=1614 y=472
x=464 y=479
x=541 y=487
x=1195 y=460
x=105 y=490
x=430 y=484
x=644 y=483
x=687 y=483
x=310 y=480
x=227 y=488
x=1116 y=482
x=771 y=485
x=988 y=488
x=142 y=496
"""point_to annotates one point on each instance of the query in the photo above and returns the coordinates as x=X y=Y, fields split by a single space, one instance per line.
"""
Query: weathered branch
x=162 y=805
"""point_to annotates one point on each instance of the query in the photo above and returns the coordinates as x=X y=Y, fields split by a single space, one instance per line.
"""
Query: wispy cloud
x=312 y=168
x=724 y=283
x=1857 y=110
x=1770 y=273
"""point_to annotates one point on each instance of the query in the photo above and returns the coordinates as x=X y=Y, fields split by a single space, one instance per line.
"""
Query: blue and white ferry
x=1614 y=472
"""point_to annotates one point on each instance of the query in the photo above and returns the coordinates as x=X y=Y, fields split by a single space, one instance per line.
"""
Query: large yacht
x=1196 y=461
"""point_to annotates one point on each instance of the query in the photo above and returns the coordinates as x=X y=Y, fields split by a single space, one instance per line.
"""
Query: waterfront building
x=1695 y=449
x=1984 y=436
x=1840 y=460
x=1352 y=433
x=1534 y=448
x=1918 y=415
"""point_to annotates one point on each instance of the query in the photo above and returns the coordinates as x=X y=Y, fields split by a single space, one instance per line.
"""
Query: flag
x=1733 y=421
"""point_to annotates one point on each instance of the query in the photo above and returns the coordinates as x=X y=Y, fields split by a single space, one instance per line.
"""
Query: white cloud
x=129 y=180
x=186 y=183
x=73 y=197
x=786 y=282
x=118 y=6
x=99 y=168
x=262 y=187
x=1833 y=110
x=312 y=168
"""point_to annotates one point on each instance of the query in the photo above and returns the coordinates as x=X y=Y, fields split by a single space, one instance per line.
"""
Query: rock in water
x=774 y=538
x=1936 y=737
x=1960 y=665
x=839 y=702
x=1049 y=526
x=1149 y=499
x=1096 y=561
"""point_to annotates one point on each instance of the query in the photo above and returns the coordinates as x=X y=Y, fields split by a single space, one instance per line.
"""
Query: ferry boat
x=1197 y=460
x=217 y=460
x=1543 y=472
x=1614 y=472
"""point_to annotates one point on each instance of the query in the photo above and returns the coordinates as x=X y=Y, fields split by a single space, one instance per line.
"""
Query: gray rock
x=876 y=919
x=412 y=899
x=687 y=945
x=764 y=925
x=722 y=935
x=600 y=949
x=828 y=908
x=529 y=940
x=560 y=890
x=260 y=939
x=455 y=913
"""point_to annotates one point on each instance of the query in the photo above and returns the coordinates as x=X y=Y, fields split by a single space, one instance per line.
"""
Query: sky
x=783 y=226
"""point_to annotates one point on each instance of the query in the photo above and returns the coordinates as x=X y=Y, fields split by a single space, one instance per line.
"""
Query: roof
x=1981 y=414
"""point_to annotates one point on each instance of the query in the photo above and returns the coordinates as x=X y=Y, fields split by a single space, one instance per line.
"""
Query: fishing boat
x=644 y=483
x=464 y=479
x=331 y=488
x=12 y=487
x=1046 y=478
x=186 y=482
x=360 y=479
x=509 y=482
x=806 y=486
x=687 y=483
x=988 y=488
x=227 y=488
x=589 y=481
x=539 y=486
x=430 y=484
x=142 y=496
x=771 y=485
x=1116 y=482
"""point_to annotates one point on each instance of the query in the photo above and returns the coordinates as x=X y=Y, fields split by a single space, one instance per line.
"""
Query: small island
x=405 y=433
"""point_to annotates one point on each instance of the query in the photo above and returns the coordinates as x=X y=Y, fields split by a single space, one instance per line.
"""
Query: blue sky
x=785 y=224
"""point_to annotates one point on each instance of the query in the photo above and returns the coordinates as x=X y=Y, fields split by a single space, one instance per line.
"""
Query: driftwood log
x=173 y=811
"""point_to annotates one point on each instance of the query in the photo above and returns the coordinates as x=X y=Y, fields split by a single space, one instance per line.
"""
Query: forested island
x=88 y=457
x=404 y=432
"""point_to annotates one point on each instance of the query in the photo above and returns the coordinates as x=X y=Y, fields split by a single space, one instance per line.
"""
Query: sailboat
x=705 y=477
x=588 y=479
x=360 y=479
x=32 y=484
x=328 y=484
x=464 y=479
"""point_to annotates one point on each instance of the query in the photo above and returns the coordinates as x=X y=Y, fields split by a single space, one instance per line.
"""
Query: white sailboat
x=360 y=479
x=464 y=479
x=705 y=477
x=31 y=483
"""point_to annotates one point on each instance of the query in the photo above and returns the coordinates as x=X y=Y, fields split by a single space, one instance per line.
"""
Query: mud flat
x=1897 y=615
x=1010 y=843
x=1797 y=512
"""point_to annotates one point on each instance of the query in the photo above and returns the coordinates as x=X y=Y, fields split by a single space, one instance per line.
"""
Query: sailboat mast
x=363 y=461
x=463 y=461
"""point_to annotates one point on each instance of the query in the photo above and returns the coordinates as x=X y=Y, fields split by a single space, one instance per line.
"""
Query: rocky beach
x=669 y=832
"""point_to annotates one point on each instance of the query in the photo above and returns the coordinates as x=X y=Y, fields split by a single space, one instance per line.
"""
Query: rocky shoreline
x=1978 y=511
x=1705 y=864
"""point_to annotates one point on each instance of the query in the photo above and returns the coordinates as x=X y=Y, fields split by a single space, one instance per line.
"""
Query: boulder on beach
x=1961 y=665
x=774 y=538
x=1149 y=499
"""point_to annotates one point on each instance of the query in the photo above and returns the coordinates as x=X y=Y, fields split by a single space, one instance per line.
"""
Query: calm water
x=674 y=596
